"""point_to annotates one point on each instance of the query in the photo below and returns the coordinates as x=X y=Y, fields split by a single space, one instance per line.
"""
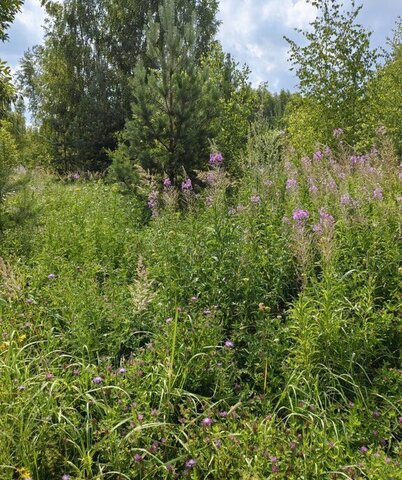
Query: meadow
x=232 y=327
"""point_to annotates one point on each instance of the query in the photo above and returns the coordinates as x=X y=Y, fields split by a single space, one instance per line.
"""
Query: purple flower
x=217 y=443
x=400 y=420
x=293 y=445
x=377 y=194
x=300 y=215
x=49 y=376
x=255 y=199
x=191 y=463
x=97 y=380
x=207 y=422
x=223 y=414
x=275 y=468
x=51 y=276
x=65 y=477
x=121 y=371
x=345 y=199
x=76 y=176
x=229 y=344
x=338 y=132
x=211 y=178
x=186 y=185
x=291 y=183
x=138 y=458
x=274 y=459
x=215 y=158
x=207 y=312
x=326 y=219
x=376 y=414
x=140 y=417
x=167 y=183
x=153 y=200
x=154 y=412
x=363 y=449
x=317 y=155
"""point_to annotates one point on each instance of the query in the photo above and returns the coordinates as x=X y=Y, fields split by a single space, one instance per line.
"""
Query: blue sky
x=252 y=31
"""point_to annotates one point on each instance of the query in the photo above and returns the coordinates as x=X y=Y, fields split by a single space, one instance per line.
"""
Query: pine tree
x=174 y=100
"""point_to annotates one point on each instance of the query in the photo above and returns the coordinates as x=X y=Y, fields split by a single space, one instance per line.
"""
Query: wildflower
x=154 y=412
x=328 y=151
x=211 y=178
x=76 y=372
x=154 y=447
x=375 y=414
x=167 y=183
x=121 y=371
x=29 y=301
x=274 y=459
x=293 y=445
x=140 y=417
x=153 y=200
x=275 y=468
x=291 y=183
x=345 y=199
x=186 y=185
x=51 y=276
x=223 y=414
x=363 y=449
x=326 y=219
x=169 y=320
x=219 y=364
x=377 y=194
x=317 y=155
x=229 y=344
x=255 y=199
x=49 y=376
x=138 y=458
x=300 y=215
x=215 y=158
x=400 y=420
x=217 y=443
x=207 y=312
x=194 y=298
x=338 y=132
x=191 y=463
x=207 y=422
x=66 y=477
x=76 y=176
x=97 y=380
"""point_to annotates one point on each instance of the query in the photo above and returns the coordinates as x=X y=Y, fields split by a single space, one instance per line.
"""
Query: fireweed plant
x=220 y=329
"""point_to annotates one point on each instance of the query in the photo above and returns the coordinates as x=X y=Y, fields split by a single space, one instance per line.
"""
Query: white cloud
x=31 y=18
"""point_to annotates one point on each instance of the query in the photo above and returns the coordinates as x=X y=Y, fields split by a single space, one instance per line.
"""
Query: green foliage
x=334 y=68
x=77 y=83
x=385 y=92
x=231 y=333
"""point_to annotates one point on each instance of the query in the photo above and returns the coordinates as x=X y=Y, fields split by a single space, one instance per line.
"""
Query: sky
x=251 y=30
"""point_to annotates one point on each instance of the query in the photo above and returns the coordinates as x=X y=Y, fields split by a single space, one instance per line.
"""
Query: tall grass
x=254 y=331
